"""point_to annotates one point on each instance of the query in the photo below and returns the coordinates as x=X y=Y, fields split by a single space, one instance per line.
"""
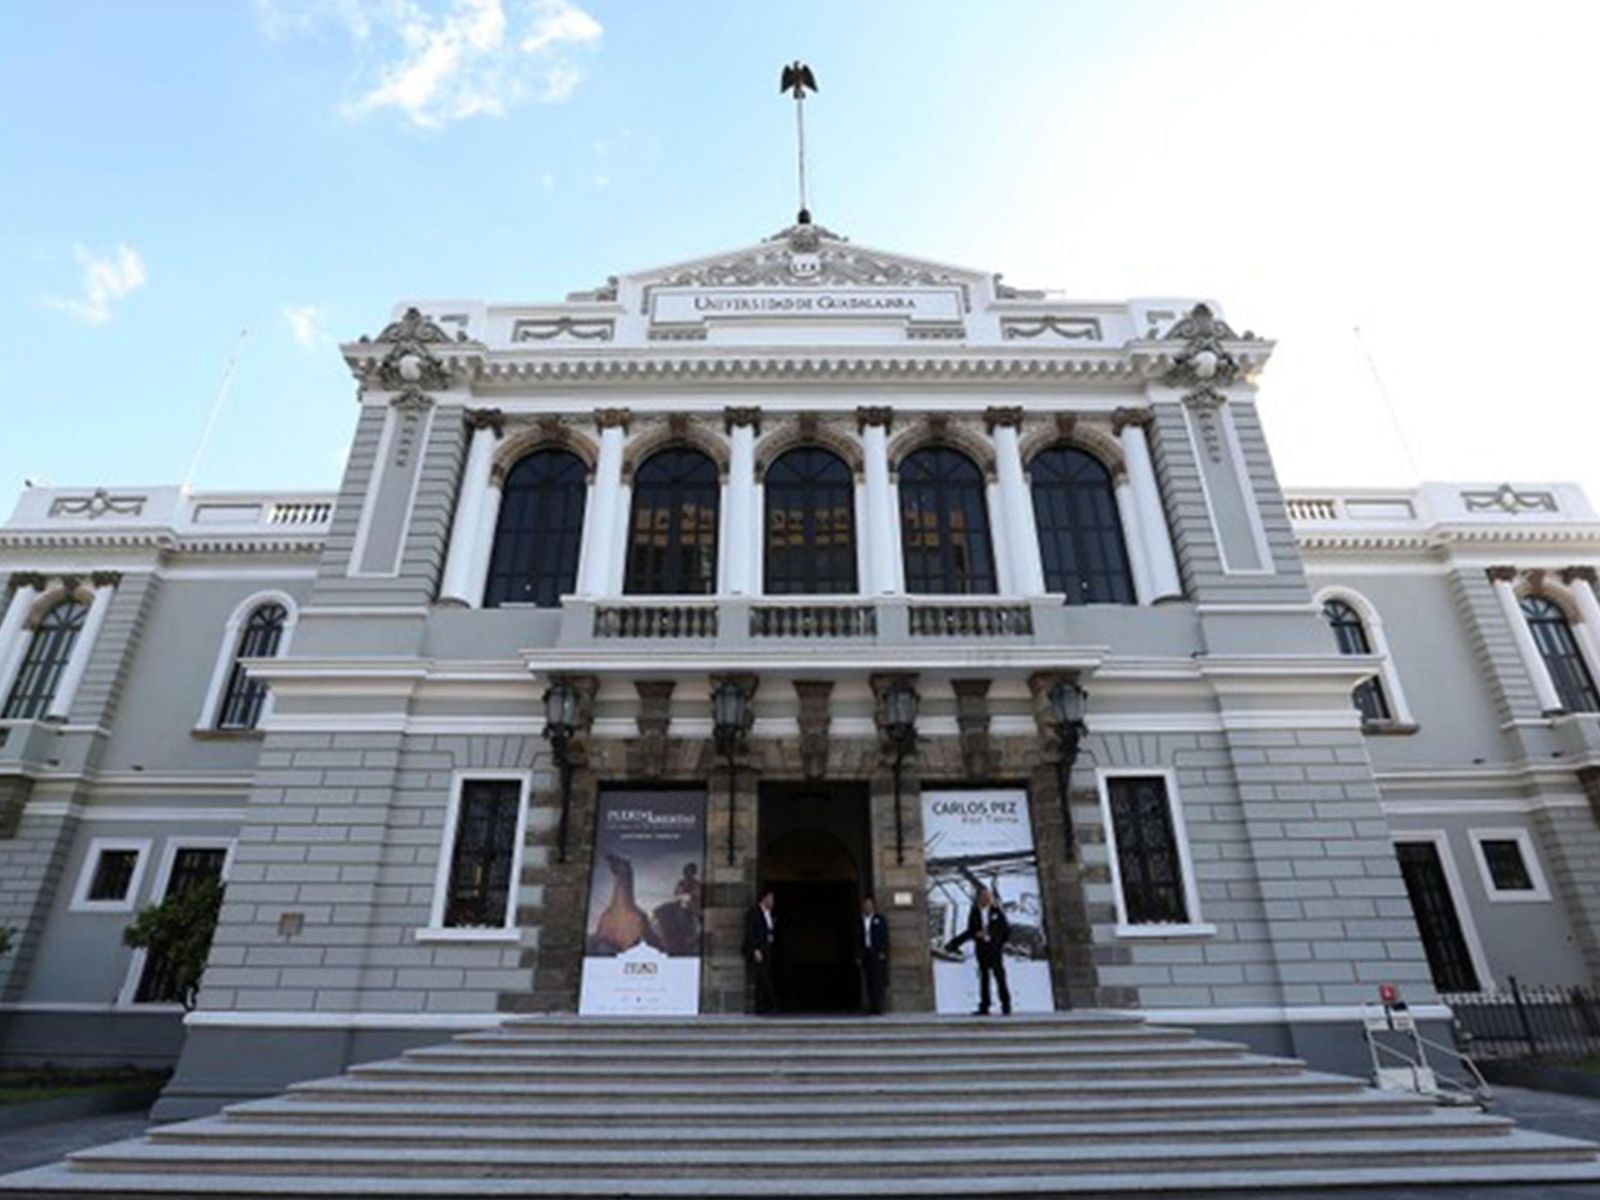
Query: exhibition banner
x=642 y=938
x=984 y=839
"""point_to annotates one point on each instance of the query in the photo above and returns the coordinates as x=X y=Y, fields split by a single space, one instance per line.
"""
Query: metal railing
x=813 y=621
x=1528 y=1022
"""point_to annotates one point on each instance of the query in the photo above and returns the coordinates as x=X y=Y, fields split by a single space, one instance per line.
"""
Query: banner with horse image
x=642 y=938
x=984 y=839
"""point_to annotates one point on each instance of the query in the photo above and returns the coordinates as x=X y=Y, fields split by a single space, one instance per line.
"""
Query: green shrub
x=178 y=932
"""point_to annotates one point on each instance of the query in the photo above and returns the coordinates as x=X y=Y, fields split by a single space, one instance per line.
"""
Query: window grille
x=1080 y=529
x=539 y=532
x=113 y=875
x=1149 y=863
x=46 y=658
x=1507 y=868
x=809 y=499
x=672 y=542
x=1351 y=636
x=1559 y=649
x=944 y=518
x=480 y=860
x=245 y=697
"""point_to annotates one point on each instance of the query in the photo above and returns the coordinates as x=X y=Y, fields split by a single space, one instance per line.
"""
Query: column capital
x=486 y=418
x=102 y=579
x=1124 y=417
x=734 y=417
x=32 y=579
x=1009 y=416
x=875 y=415
x=613 y=418
x=1501 y=574
x=1587 y=574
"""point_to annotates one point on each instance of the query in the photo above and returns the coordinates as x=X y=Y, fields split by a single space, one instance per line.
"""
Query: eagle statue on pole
x=797 y=80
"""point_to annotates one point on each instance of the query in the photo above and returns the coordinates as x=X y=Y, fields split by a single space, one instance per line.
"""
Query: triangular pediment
x=800 y=256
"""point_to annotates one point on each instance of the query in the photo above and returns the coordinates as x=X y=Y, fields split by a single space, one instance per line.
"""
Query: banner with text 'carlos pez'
x=642 y=940
x=984 y=839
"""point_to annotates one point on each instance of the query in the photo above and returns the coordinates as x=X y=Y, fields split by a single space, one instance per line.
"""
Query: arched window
x=1080 y=530
x=1351 y=635
x=944 y=523
x=811 y=535
x=1561 y=655
x=672 y=538
x=539 y=531
x=260 y=638
x=46 y=658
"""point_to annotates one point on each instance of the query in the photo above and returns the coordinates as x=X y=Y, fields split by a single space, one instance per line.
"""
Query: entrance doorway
x=815 y=856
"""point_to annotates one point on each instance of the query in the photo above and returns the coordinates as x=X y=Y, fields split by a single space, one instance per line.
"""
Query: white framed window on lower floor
x=1152 y=873
x=186 y=862
x=480 y=859
x=109 y=879
x=1508 y=865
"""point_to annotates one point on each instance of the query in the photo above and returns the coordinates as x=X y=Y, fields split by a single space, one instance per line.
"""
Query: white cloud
x=307 y=324
x=104 y=280
x=442 y=62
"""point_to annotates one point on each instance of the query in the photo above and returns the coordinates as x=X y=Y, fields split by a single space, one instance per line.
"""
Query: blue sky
x=176 y=171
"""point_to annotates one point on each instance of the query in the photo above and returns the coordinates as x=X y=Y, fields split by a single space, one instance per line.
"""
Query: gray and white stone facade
x=393 y=683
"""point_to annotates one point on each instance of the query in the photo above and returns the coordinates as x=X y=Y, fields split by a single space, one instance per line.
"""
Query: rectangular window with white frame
x=480 y=859
x=1508 y=865
x=1152 y=874
x=111 y=874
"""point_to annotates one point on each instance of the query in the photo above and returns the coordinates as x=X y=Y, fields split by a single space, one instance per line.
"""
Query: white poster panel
x=984 y=839
x=642 y=939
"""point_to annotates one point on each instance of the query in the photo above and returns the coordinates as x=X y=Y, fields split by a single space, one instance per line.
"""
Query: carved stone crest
x=410 y=361
x=1203 y=360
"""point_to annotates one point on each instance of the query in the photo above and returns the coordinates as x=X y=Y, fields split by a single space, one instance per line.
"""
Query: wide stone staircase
x=740 y=1107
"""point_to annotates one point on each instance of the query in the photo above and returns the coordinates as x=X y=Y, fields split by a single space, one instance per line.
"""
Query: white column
x=1150 y=533
x=1544 y=686
x=1138 y=559
x=1582 y=582
x=600 y=514
x=742 y=569
x=14 y=636
x=1018 y=528
x=78 y=662
x=881 y=515
x=458 y=586
x=483 y=538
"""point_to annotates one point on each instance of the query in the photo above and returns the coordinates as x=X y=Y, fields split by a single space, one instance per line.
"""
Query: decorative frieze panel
x=1052 y=326
x=100 y=504
x=551 y=329
x=1507 y=499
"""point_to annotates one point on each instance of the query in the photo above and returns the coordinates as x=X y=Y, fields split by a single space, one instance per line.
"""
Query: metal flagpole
x=797 y=80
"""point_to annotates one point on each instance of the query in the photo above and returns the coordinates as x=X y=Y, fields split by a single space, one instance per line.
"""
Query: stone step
x=1215 y=1082
x=734 y=1163
x=979 y=1049
x=736 y=1070
x=60 y=1183
x=717 y=1027
x=940 y=1111
x=879 y=1031
x=855 y=1137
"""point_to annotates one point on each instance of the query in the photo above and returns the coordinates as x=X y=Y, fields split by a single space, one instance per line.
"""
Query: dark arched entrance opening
x=814 y=856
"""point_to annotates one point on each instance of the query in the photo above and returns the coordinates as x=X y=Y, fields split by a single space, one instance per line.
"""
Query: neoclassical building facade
x=805 y=566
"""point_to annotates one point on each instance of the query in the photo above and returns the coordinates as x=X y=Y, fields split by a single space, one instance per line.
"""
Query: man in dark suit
x=987 y=930
x=872 y=952
x=760 y=935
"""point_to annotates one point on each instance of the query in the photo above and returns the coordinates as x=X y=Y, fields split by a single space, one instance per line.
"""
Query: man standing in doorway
x=760 y=935
x=872 y=952
x=987 y=930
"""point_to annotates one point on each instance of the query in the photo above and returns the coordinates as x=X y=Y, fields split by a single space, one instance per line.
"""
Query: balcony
x=833 y=633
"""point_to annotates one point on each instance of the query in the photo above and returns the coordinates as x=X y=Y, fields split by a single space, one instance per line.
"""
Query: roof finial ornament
x=797 y=80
